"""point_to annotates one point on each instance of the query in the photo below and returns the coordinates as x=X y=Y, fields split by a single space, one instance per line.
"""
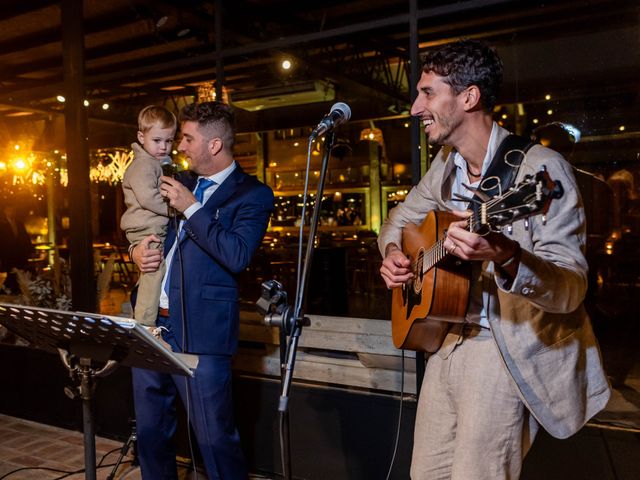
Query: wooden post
x=218 y=35
x=261 y=155
x=51 y=220
x=375 y=201
x=83 y=285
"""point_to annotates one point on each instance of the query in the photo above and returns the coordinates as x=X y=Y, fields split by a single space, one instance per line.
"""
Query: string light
x=29 y=170
x=111 y=172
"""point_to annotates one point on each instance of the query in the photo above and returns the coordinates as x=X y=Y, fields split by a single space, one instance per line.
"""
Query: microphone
x=169 y=169
x=340 y=113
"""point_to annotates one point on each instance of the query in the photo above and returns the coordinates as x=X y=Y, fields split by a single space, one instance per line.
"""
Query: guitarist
x=526 y=355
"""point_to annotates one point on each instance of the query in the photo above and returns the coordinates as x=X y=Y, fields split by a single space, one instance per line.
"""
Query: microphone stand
x=298 y=316
x=291 y=320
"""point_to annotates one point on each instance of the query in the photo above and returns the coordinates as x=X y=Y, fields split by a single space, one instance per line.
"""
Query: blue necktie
x=203 y=184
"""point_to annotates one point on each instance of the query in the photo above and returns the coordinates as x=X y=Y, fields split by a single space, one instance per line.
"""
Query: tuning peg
x=526 y=224
x=509 y=229
x=544 y=219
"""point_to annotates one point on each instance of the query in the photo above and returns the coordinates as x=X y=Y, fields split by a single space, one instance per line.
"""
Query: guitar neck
x=437 y=252
x=434 y=254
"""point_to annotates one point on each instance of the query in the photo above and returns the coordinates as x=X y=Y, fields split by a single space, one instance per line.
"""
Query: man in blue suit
x=226 y=213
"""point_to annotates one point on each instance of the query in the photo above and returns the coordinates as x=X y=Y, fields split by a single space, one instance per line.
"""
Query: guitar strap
x=504 y=166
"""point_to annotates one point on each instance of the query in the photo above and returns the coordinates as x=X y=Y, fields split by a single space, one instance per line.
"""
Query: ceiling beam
x=11 y=10
x=257 y=47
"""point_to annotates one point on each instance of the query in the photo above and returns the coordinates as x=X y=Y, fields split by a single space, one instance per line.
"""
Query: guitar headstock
x=532 y=196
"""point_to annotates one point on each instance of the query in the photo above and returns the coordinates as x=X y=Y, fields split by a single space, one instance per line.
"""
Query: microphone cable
x=305 y=196
x=183 y=319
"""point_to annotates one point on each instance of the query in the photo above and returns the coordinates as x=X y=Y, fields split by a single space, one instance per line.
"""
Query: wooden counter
x=352 y=352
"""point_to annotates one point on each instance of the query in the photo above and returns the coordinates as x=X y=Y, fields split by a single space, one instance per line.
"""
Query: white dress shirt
x=479 y=301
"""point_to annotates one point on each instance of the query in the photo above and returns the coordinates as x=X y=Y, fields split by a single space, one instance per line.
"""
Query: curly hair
x=217 y=119
x=465 y=63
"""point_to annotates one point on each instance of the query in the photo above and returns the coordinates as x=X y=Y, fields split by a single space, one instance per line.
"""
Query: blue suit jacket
x=219 y=241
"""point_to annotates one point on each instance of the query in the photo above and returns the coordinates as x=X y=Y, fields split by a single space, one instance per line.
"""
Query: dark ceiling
x=139 y=52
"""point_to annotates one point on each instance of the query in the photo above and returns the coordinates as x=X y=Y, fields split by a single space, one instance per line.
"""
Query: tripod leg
x=130 y=443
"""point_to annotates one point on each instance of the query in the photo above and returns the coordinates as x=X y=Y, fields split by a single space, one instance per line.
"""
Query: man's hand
x=178 y=196
x=147 y=256
x=470 y=246
x=396 y=268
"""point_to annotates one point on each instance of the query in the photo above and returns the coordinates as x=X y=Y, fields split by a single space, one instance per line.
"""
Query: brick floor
x=25 y=444
x=29 y=444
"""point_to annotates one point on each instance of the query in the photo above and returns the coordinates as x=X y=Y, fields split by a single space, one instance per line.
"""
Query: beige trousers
x=470 y=423
x=149 y=286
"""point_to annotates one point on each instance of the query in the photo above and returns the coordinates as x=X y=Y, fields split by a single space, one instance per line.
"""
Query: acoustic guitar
x=438 y=294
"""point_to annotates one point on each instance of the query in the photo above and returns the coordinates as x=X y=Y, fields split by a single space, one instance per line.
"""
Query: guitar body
x=423 y=308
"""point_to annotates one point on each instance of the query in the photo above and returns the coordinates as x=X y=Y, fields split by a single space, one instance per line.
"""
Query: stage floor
x=34 y=447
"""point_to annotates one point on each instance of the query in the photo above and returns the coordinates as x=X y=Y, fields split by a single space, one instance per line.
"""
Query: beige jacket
x=539 y=323
x=147 y=212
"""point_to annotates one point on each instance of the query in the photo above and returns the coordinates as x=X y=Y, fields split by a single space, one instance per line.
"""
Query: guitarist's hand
x=396 y=268
x=495 y=247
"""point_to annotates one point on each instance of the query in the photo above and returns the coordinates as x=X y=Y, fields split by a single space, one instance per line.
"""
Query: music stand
x=92 y=345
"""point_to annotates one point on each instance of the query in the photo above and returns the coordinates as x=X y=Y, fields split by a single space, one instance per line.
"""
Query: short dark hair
x=465 y=63
x=217 y=118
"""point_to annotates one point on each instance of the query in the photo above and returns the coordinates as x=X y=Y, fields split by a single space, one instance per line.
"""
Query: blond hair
x=153 y=115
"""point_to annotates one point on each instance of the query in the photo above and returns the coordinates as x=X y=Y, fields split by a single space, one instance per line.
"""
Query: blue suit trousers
x=207 y=397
